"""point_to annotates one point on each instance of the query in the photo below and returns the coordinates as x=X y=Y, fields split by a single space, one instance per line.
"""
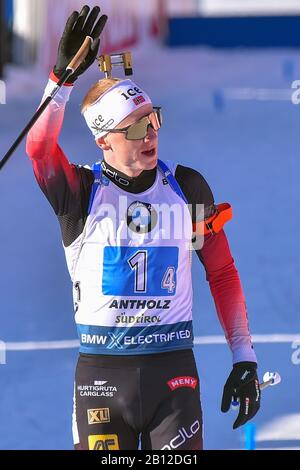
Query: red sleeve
x=226 y=289
x=65 y=185
x=52 y=169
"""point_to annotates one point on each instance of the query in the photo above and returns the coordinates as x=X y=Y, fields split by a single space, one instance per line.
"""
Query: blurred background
x=223 y=71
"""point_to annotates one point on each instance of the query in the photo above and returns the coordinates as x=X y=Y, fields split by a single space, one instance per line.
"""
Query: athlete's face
x=131 y=156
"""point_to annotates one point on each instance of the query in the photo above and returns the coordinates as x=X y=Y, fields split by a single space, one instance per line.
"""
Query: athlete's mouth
x=150 y=153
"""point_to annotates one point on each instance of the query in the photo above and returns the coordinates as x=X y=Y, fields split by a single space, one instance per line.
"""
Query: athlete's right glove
x=78 y=26
x=242 y=384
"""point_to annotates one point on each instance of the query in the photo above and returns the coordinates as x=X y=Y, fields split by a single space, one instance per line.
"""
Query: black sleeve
x=67 y=188
x=196 y=190
x=75 y=206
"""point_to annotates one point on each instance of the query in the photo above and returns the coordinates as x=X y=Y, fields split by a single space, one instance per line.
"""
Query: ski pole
x=73 y=65
x=269 y=379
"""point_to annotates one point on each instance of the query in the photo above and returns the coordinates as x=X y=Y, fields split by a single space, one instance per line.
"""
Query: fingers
x=81 y=19
x=98 y=28
x=243 y=413
x=88 y=26
x=248 y=410
x=86 y=21
x=226 y=398
x=71 y=22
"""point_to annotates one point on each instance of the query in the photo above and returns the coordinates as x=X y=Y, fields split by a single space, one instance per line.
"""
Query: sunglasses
x=138 y=130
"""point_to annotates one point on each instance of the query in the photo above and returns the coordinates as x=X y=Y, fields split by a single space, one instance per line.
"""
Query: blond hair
x=97 y=90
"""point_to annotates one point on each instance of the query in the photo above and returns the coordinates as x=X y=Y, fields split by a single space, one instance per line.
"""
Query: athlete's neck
x=132 y=184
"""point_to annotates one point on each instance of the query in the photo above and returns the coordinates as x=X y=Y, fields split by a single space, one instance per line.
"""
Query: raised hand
x=78 y=26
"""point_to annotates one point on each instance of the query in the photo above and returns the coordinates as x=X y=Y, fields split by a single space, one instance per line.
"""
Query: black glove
x=78 y=26
x=242 y=384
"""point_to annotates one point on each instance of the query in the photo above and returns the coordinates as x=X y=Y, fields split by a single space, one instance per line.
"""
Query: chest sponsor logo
x=183 y=381
x=98 y=416
x=141 y=217
x=183 y=435
x=104 y=442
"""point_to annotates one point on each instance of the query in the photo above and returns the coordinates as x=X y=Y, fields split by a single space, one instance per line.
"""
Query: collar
x=135 y=184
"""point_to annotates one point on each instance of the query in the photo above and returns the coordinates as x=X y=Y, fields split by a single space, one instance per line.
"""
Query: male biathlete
x=136 y=379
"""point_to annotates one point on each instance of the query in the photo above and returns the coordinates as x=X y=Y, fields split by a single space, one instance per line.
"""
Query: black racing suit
x=152 y=399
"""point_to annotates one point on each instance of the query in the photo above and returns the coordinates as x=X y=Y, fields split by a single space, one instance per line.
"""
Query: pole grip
x=81 y=54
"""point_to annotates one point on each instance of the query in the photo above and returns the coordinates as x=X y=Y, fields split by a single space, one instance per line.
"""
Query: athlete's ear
x=103 y=143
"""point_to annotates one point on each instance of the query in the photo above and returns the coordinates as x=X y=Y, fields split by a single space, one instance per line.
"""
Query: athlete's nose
x=151 y=134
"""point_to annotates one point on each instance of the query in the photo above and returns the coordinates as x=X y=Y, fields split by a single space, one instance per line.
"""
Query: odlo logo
x=182 y=436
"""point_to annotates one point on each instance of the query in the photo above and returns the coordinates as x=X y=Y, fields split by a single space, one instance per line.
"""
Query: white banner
x=231 y=7
x=28 y=27
x=248 y=7
x=130 y=23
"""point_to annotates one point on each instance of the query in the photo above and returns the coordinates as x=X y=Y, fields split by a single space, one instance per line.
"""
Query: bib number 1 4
x=143 y=271
x=138 y=263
